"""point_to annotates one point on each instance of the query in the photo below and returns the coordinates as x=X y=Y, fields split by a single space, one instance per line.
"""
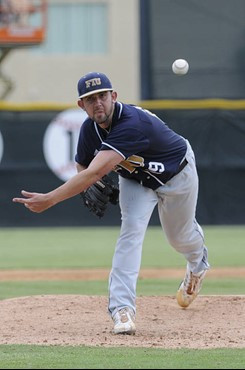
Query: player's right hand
x=35 y=202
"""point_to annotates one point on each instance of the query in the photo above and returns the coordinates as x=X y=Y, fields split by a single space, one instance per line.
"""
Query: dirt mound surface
x=210 y=322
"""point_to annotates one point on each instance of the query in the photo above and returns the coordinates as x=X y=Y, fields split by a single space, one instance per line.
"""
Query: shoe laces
x=124 y=315
x=191 y=282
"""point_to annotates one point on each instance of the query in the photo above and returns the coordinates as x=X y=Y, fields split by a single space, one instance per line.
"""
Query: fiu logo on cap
x=93 y=82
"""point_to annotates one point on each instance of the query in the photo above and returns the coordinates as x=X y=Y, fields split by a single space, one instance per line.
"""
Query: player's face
x=100 y=107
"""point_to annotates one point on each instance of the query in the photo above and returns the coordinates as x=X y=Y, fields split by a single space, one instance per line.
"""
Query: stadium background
x=207 y=106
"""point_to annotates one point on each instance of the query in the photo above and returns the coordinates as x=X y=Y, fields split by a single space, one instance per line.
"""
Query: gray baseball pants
x=176 y=201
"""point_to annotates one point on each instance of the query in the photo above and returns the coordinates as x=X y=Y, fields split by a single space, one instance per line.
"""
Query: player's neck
x=106 y=126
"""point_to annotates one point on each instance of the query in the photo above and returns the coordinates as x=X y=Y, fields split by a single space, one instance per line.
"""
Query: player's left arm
x=104 y=162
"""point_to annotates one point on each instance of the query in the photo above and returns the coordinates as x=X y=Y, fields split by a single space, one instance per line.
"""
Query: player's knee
x=186 y=246
x=132 y=225
x=134 y=221
x=178 y=242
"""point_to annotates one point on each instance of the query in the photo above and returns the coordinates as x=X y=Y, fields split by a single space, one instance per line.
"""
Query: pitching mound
x=210 y=322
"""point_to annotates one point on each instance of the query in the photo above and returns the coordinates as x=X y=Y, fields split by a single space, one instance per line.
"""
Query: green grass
x=37 y=248
x=54 y=357
x=146 y=287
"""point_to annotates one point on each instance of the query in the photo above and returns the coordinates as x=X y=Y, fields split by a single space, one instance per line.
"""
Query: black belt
x=181 y=167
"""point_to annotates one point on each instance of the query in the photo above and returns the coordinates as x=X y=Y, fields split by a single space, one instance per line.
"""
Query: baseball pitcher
x=156 y=166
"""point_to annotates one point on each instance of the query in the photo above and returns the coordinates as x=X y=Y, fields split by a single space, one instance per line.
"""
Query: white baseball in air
x=180 y=67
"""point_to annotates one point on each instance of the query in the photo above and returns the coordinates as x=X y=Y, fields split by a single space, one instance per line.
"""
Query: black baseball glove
x=98 y=195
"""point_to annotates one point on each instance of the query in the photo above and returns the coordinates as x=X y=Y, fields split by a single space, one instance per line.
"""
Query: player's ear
x=114 y=96
x=80 y=103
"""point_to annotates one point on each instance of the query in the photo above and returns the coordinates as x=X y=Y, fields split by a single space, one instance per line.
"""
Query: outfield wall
x=38 y=143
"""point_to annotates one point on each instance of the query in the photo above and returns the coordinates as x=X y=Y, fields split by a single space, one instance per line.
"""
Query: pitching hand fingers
x=23 y=200
x=35 y=202
x=28 y=194
x=20 y=200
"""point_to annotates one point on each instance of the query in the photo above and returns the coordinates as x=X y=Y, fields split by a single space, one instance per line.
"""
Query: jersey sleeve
x=84 y=154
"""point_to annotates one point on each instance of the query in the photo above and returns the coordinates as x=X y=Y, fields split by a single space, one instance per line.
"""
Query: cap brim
x=94 y=92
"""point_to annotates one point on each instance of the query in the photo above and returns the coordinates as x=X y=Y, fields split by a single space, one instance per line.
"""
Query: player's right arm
x=104 y=162
x=80 y=167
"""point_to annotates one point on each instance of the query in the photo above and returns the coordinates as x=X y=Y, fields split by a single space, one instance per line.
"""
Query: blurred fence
x=208 y=34
x=37 y=149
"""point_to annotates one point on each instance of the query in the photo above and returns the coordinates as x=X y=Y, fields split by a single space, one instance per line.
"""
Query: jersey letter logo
x=156 y=167
x=93 y=82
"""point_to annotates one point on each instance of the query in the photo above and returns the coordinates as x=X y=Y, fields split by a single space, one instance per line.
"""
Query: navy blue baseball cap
x=92 y=83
